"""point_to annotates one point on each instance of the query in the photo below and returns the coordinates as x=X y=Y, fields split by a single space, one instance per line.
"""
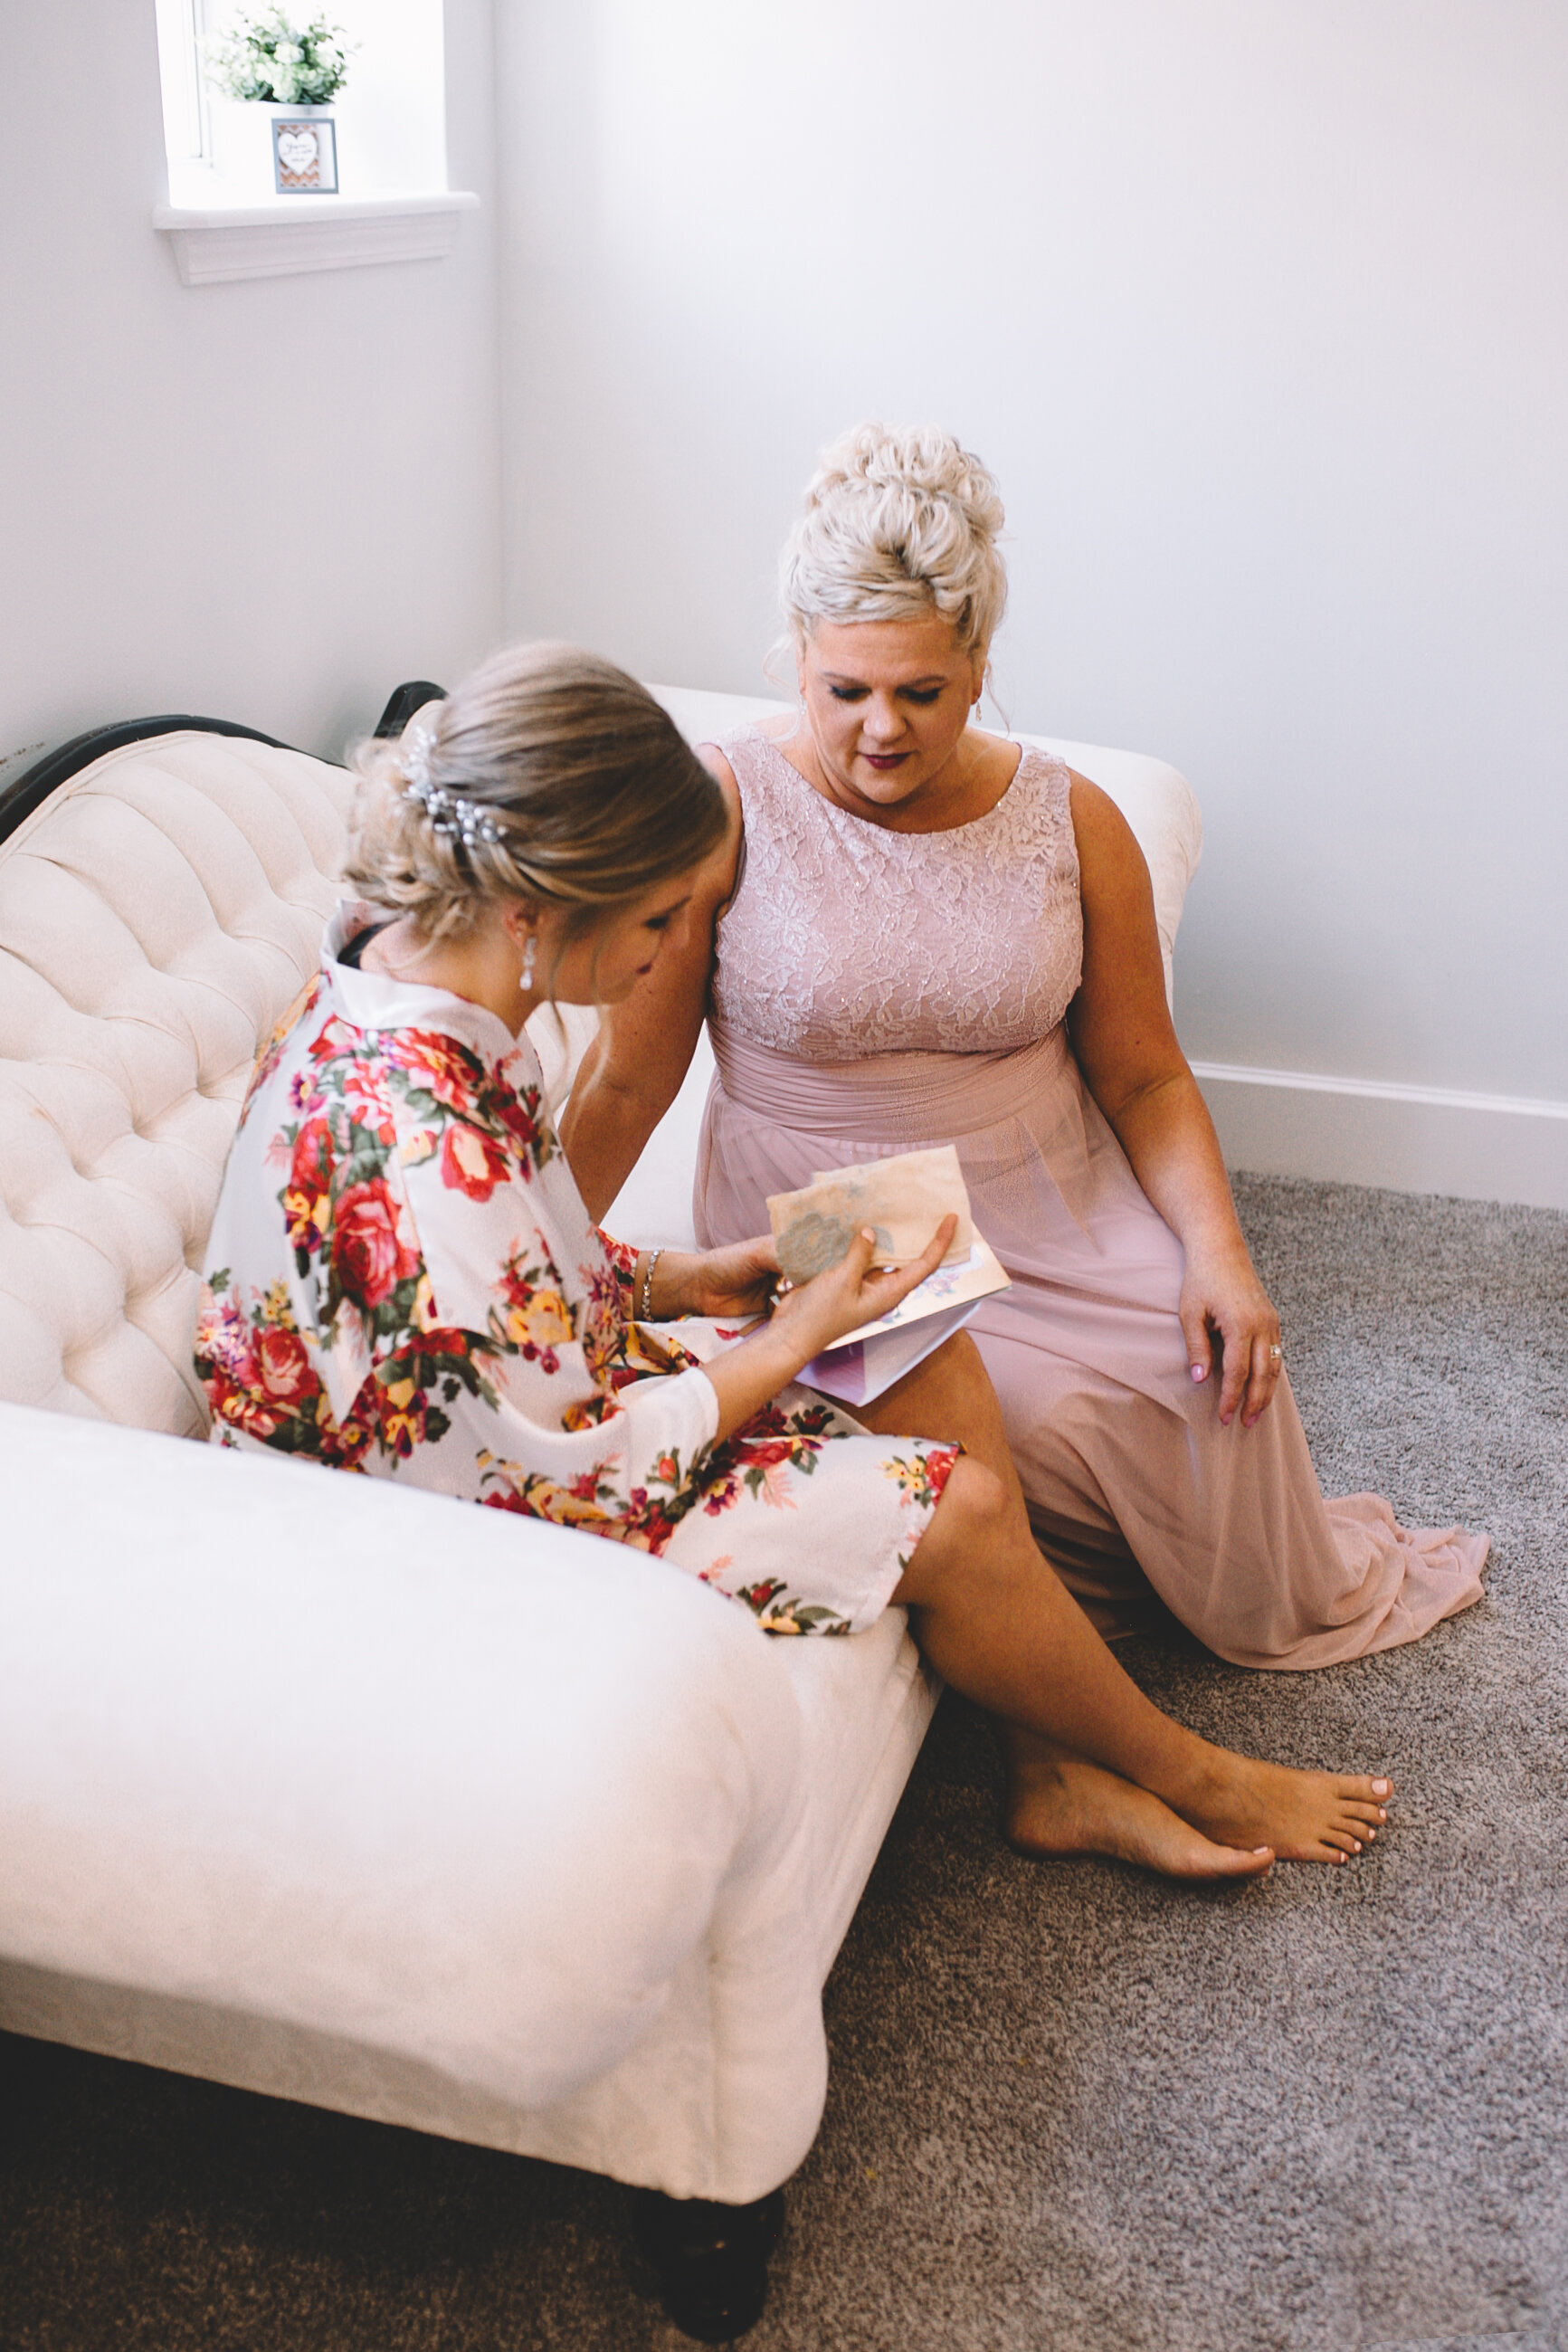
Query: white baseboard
x=1412 y=1139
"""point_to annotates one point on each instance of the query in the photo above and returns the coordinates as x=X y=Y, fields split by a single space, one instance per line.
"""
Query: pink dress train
x=875 y=992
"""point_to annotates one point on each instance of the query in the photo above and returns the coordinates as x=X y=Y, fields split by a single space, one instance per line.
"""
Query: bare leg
x=1057 y=1801
x=1094 y=1767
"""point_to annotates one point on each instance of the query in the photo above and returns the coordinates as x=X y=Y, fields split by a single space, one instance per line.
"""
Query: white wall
x=1258 y=309
x=266 y=502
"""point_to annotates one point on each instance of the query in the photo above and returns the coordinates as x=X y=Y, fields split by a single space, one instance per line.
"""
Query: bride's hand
x=805 y=1321
x=832 y=1304
x=730 y=1284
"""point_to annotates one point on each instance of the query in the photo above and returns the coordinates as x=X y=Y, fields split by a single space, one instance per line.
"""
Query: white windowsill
x=290 y=234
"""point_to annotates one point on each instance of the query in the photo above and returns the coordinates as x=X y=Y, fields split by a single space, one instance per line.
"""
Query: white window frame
x=215 y=237
x=187 y=120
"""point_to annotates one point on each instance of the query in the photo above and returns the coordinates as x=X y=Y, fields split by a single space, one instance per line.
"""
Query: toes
x=1345 y=1840
x=1368 y=1817
x=1239 y=1864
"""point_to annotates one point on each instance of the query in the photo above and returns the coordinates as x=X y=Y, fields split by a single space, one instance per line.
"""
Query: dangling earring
x=526 y=978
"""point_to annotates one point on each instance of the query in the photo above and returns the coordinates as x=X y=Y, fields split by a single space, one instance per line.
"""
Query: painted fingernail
x=1380 y=1788
x=1200 y=1372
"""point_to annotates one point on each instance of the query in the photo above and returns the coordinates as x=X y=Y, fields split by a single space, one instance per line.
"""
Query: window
x=224 y=218
x=391 y=115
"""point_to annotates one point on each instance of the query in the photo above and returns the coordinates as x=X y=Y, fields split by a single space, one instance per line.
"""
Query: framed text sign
x=303 y=154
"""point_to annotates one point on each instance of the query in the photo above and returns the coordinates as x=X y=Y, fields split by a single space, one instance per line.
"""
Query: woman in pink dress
x=919 y=933
x=403 y=1281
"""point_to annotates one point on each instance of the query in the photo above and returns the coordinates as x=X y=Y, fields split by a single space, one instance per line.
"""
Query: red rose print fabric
x=402 y=1281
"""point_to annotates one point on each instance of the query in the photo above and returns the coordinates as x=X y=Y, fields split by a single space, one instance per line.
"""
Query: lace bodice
x=845 y=940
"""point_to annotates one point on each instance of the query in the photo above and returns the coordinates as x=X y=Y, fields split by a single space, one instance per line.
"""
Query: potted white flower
x=295 y=71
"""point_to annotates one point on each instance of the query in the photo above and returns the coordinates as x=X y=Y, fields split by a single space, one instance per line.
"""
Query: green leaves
x=268 y=60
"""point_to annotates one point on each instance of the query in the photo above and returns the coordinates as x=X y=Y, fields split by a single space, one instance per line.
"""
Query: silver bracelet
x=647 y=1308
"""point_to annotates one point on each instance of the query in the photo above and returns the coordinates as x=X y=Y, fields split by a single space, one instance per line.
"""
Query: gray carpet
x=1071 y=2108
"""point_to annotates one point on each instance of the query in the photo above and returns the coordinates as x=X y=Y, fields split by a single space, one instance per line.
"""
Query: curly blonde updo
x=898 y=525
x=592 y=791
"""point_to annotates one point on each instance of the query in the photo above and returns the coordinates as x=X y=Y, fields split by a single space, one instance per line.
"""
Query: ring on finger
x=1276 y=1354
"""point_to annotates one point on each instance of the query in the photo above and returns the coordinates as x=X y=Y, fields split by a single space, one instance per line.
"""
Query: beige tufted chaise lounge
x=350 y=1794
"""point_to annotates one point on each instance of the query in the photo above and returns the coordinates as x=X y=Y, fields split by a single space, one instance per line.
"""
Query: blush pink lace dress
x=877 y=991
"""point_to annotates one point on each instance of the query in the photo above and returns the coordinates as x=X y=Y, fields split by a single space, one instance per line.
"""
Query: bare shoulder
x=1093 y=810
x=715 y=763
x=1109 y=857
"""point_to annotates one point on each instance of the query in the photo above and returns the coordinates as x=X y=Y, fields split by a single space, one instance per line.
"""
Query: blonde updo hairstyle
x=592 y=791
x=898 y=524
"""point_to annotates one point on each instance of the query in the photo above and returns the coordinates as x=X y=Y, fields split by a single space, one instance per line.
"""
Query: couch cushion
x=453 y=1788
x=157 y=916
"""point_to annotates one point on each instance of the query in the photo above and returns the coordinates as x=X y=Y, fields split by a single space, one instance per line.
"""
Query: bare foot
x=1061 y=1803
x=1305 y=1816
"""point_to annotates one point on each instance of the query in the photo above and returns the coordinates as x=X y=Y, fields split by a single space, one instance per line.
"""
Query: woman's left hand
x=1226 y=1317
x=730 y=1284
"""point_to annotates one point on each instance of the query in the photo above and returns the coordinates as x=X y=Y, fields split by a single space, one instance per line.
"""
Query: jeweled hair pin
x=449 y=813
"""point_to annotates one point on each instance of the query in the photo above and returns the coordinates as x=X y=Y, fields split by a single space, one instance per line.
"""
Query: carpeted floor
x=1071 y=2108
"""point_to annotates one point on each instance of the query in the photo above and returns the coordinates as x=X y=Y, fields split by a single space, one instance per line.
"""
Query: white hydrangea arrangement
x=267 y=58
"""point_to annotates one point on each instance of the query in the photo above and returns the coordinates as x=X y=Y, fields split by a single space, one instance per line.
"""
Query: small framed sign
x=304 y=155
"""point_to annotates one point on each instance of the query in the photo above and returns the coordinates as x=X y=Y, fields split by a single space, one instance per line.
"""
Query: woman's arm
x=739 y=1282
x=809 y=1318
x=1121 y=1029
x=633 y=1071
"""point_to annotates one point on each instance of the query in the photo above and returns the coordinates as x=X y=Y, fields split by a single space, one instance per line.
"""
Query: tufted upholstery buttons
x=157 y=915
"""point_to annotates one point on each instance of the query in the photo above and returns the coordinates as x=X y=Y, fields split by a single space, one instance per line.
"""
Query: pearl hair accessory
x=449 y=813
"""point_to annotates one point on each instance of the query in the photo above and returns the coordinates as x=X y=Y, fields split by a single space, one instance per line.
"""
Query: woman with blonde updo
x=937 y=935
x=403 y=1280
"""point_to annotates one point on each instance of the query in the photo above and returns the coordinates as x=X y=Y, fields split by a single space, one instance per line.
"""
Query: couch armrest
x=302 y=1746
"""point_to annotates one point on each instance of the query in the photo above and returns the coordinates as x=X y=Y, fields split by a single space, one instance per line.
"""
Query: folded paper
x=902 y=1199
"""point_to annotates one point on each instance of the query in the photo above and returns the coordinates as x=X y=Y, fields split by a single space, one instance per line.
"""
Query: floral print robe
x=403 y=1280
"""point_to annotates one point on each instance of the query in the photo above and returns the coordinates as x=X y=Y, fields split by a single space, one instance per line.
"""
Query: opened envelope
x=902 y=1200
